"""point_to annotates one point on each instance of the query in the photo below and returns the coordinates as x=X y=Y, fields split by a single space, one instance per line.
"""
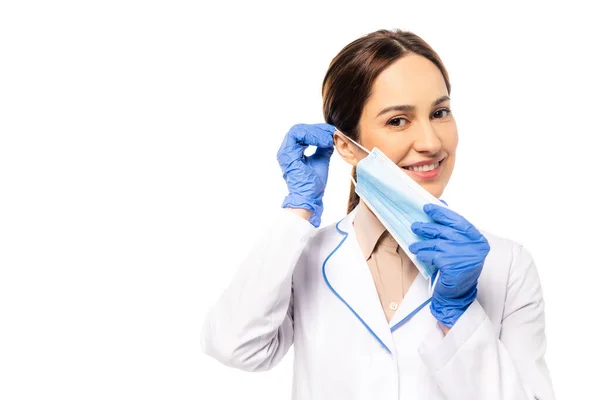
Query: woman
x=347 y=296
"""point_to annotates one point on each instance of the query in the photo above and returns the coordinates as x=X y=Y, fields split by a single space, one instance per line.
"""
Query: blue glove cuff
x=448 y=311
x=297 y=201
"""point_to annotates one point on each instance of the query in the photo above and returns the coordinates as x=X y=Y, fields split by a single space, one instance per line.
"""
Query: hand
x=306 y=177
x=454 y=246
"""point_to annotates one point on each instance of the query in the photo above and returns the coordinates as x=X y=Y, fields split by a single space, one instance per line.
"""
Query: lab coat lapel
x=417 y=294
x=350 y=279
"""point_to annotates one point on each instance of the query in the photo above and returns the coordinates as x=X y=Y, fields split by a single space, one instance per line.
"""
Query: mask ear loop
x=350 y=139
x=435 y=281
x=359 y=145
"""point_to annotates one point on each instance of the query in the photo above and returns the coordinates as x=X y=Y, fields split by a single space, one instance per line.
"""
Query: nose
x=427 y=140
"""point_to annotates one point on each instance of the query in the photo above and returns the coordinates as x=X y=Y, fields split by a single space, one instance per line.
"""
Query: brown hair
x=349 y=79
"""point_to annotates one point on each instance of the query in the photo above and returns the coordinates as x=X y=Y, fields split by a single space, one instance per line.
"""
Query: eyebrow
x=411 y=108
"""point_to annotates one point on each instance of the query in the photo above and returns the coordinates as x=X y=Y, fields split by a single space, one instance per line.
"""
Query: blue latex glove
x=458 y=249
x=306 y=177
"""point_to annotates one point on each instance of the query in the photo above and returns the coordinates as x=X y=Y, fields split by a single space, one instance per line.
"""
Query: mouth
x=429 y=171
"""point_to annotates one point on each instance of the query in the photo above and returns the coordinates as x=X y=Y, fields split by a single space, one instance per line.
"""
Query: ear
x=346 y=149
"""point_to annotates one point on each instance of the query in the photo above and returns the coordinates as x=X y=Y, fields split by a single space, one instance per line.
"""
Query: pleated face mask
x=395 y=199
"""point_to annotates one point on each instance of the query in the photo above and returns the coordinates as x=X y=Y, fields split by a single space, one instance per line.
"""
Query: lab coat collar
x=349 y=278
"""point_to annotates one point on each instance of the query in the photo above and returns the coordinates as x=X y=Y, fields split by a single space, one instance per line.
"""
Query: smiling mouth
x=427 y=167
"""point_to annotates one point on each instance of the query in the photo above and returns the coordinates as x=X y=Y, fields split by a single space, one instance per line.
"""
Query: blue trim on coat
x=409 y=316
x=393 y=328
x=340 y=297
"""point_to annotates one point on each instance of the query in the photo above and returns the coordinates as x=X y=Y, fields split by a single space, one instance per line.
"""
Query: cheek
x=392 y=146
x=449 y=138
x=449 y=168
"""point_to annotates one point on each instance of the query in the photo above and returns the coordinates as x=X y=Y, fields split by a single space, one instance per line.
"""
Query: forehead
x=411 y=80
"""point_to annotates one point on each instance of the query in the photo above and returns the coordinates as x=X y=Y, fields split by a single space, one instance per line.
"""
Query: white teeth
x=424 y=168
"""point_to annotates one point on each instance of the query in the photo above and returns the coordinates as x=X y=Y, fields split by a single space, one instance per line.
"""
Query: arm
x=251 y=325
x=471 y=362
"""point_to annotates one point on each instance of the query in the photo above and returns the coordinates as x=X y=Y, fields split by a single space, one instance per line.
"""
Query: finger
x=325 y=127
x=323 y=152
x=433 y=230
x=312 y=135
x=443 y=201
x=423 y=245
x=428 y=257
x=445 y=216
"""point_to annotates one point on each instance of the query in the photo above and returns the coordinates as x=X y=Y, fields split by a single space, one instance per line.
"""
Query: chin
x=436 y=190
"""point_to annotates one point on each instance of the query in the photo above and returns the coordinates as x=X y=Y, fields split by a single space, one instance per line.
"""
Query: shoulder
x=325 y=240
x=499 y=246
x=328 y=236
x=508 y=250
x=507 y=257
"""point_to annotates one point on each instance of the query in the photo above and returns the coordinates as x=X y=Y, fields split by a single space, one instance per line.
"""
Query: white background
x=137 y=161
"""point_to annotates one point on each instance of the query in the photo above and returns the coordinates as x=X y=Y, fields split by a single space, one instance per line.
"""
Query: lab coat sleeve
x=471 y=362
x=251 y=325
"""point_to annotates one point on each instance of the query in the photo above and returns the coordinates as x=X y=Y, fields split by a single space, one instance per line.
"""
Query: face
x=408 y=118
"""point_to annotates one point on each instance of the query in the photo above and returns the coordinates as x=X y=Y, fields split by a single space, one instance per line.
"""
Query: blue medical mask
x=395 y=199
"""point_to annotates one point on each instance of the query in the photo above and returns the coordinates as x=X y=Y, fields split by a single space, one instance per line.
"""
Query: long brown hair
x=350 y=76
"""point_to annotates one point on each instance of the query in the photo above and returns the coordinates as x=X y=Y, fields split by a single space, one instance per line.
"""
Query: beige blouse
x=393 y=272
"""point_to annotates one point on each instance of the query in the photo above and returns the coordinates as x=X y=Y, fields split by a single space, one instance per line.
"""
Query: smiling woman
x=349 y=296
x=391 y=90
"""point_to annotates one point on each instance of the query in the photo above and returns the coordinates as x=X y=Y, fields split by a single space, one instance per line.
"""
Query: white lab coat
x=313 y=288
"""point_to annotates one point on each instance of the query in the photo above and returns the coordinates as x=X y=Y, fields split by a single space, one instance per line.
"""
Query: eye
x=396 y=121
x=441 y=110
